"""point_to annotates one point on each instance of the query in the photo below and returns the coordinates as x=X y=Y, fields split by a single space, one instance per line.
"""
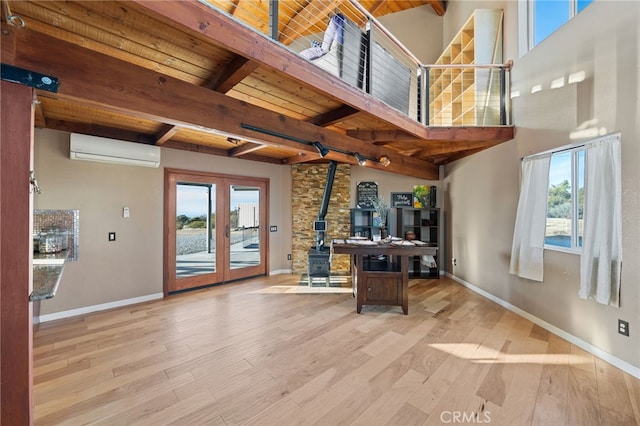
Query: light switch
x=125 y=212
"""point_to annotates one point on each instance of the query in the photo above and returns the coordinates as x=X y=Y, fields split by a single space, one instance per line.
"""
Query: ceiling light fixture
x=361 y=160
x=322 y=150
x=384 y=160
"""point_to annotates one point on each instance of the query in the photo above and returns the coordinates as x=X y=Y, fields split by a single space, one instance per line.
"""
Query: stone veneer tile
x=67 y=221
x=307 y=192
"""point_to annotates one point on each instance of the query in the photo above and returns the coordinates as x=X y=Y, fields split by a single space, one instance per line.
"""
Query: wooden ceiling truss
x=185 y=76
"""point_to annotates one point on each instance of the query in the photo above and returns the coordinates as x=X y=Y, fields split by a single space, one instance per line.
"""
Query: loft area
x=153 y=72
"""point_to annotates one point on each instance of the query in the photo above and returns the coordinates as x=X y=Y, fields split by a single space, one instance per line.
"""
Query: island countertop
x=383 y=282
x=398 y=248
x=47 y=272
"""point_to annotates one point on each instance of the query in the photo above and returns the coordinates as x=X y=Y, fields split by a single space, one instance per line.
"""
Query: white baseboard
x=116 y=304
x=96 y=308
x=280 y=272
x=615 y=361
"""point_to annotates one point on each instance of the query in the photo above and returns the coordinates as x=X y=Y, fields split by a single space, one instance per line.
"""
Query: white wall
x=481 y=192
x=131 y=267
x=419 y=29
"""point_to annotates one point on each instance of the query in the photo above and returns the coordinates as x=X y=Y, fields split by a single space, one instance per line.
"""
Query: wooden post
x=16 y=322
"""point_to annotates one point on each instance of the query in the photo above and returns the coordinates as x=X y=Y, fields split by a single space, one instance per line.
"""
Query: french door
x=215 y=228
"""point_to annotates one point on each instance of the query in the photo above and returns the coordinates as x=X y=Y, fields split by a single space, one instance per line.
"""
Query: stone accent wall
x=307 y=191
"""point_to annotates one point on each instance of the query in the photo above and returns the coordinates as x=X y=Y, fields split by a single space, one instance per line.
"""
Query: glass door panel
x=245 y=226
x=195 y=226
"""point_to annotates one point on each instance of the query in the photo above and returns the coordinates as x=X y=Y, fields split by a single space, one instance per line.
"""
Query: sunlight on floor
x=485 y=355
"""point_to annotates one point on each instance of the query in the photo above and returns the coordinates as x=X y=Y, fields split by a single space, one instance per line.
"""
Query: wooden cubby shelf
x=469 y=96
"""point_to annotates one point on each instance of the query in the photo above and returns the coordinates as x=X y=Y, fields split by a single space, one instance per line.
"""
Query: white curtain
x=527 y=251
x=601 y=258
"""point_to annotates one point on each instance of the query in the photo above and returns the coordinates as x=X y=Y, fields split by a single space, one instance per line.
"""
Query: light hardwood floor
x=268 y=351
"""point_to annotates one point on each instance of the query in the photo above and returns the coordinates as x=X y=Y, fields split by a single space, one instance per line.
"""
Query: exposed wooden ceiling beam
x=102 y=131
x=334 y=116
x=436 y=134
x=373 y=9
x=233 y=36
x=204 y=149
x=438 y=6
x=166 y=132
x=300 y=157
x=303 y=157
x=301 y=23
x=234 y=73
x=375 y=136
x=245 y=149
x=431 y=148
x=235 y=7
x=95 y=79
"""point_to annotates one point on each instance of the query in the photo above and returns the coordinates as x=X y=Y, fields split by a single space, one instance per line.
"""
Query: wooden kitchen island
x=380 y=270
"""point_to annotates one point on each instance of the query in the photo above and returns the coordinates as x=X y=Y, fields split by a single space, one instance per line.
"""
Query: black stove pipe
x=328 y=186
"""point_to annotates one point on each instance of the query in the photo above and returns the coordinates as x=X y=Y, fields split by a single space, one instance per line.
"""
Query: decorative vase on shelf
x=383 y=233
x=380 y=215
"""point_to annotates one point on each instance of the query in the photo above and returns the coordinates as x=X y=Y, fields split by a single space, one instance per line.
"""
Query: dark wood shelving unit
x=425 y=224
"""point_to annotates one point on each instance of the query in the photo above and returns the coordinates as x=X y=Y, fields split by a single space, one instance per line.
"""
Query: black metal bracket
x=29 y=78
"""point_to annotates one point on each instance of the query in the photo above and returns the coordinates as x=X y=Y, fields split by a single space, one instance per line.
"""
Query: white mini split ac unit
x=104 y=150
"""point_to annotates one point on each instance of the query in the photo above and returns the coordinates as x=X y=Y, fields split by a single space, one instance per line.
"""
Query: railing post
x=369 y=41
x=273 y=19
x=503 y=108
x=424 y=96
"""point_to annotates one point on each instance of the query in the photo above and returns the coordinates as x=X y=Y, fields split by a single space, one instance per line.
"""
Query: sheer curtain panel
x=527 y=251
x=601 y=259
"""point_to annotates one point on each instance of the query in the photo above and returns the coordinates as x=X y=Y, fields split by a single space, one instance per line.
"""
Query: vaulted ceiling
x=185 y=76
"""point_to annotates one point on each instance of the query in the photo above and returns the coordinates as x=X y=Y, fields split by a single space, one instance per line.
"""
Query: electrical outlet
x=623 y=327
x=289 y=256
x=454 y=261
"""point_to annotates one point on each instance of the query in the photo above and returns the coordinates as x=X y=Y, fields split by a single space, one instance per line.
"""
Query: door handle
x=227 y=231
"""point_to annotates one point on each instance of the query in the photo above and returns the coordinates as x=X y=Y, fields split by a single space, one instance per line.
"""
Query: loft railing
x=344 y=39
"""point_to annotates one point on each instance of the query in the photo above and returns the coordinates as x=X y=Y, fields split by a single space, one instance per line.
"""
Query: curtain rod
x=572 y=146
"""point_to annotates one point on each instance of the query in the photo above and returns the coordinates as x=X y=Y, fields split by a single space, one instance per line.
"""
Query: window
x=565 y=201
x=582 y=187
x=546 y=16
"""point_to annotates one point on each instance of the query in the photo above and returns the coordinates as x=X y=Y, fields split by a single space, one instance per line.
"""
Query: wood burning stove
x=319 y=265
x=318 y=258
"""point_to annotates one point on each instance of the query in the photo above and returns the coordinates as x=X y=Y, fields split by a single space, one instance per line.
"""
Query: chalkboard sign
x=365 y=192
x=402 y=199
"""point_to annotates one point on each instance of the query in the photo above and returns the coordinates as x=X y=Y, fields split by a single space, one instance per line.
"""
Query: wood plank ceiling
x=182 y=75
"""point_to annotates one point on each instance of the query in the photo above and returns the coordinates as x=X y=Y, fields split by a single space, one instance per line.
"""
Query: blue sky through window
x=549 y=15
x=192 y=199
